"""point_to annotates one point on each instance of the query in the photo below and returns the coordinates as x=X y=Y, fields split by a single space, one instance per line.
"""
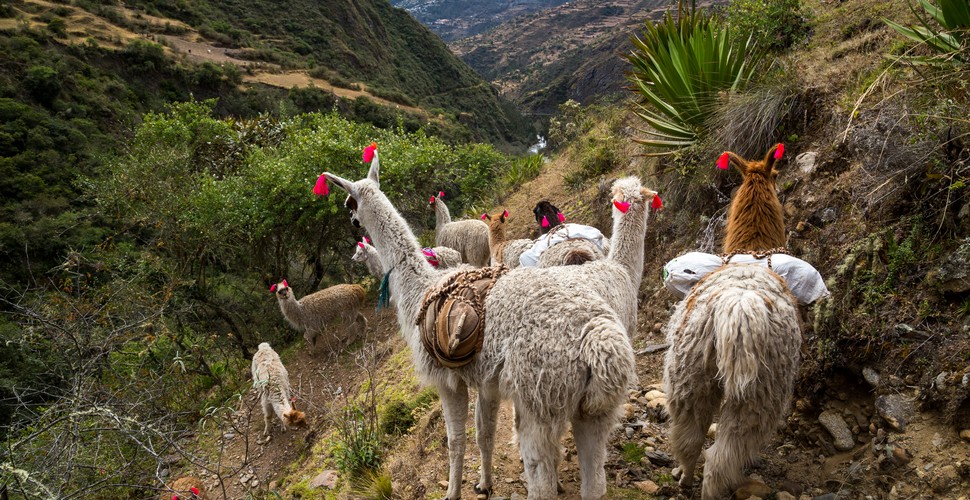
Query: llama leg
x=268 y=413
x=539 y=448
x=454 y=403
x=363 y=325
x=486 y=417
x=591 y=434
x=691 y=404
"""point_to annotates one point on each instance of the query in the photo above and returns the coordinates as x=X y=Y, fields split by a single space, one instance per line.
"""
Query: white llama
x=736 y=336
x=273 y=385
x=469 y=237
x=574 y=366
x=314 y=312
x=439 y=257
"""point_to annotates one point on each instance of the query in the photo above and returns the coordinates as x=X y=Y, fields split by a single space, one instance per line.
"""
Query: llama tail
x=607 y=352
x=577 y=257
x=742 y=334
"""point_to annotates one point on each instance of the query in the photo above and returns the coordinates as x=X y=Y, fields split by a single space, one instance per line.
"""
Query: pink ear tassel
x=360 y=244
x=321 y=188
x=441 y=194
x=484 y=216
x=505 y=214
x=272 y=287
x=369 y=152
x=292 y=399
x=431 y=201
x=722 y=162
x=545 y=221
x=780 y=151
x=194 y=490
x=562 y=218
x=622 y=206
x=367 y=240
x=285 y=284
x=657 y=203
x=175 y=497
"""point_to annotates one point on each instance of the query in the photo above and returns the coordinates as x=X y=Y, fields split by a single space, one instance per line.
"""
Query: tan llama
x=184 y=488
x=314 y=312
x=735 y=337
x=272 y=382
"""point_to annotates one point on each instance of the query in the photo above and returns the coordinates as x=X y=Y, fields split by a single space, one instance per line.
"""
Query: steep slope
x=353 y=41
x=573 y=51
x=456 y=19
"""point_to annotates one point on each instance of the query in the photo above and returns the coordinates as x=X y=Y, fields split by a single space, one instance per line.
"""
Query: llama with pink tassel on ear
x=314 y=312
x=469 y=237
x=503 y=250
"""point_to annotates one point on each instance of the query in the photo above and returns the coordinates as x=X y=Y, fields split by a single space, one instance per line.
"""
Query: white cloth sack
x=804 y=281
x=559 y=234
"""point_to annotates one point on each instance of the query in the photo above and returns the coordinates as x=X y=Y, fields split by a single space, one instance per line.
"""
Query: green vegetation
x=681 y=66
x=774 y=25
x=632 y=453
x=944 y=28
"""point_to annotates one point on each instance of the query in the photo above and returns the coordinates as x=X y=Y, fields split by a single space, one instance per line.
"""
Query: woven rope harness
x=452 y=316
x=726 y=257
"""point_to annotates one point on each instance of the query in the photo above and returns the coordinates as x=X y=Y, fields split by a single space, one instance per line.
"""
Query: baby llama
x=735 y=337
x=503 y=250
x=314 y=312
x=571 y=367
x=184 y=488
x=273 y=385
x=440 y=257
x=469 y=237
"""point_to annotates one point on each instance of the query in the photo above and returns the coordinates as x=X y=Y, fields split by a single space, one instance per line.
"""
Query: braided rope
x=757 y=254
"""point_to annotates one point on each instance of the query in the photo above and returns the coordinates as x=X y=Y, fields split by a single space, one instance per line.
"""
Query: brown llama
x=736 y=336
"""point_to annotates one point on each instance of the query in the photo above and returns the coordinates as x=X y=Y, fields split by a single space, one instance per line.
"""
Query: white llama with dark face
x=573 y=367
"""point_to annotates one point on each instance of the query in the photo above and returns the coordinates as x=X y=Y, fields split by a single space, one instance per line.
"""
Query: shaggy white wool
x=367 y=255
x=272 y=382
x=571 y=366
x=314 y=312
x=736 y=336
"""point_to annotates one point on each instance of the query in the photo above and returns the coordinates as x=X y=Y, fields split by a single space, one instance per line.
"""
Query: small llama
x=503 y=250
x=469 y=237
x=184 y=488
x=314 y=312
x=735 y=341
x=273 y=385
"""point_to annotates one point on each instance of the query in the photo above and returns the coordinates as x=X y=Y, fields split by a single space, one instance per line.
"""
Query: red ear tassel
x=194 y=490
x=722 y=162
x=285 y=284
x=622 y=206
x=292 y=399
x=321 y=188
x=484 y=216
x=505 y=214
x=175 y=497
x=272 y=287
x=431 y=201
x=366 y=239
x=562 y=218
x=360 y=244
x=369 y=152
x=441 y=194
x=780 y=151
x=657 y=203
x=545 y=221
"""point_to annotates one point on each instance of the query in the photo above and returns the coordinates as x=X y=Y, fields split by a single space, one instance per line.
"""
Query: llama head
x=549 y=213
x=295 y=418
x=281 y=289
x=360 y=255
x=434 y=199
x=755 y=219
x=627 y=193
x=362 y=189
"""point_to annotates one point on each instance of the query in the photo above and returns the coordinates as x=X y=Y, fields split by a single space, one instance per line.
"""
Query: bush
x=774 y=25
x=951 y=43
x=360 y=449
x=680 y=67
x=43 y=83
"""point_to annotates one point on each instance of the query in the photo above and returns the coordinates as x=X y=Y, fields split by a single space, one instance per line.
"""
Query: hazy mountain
x=456 y=19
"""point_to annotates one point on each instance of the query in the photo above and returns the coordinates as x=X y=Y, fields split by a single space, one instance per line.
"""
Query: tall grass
x=944 y=28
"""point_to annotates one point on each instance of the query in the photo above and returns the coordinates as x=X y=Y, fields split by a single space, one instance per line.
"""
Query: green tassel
x=384 y=297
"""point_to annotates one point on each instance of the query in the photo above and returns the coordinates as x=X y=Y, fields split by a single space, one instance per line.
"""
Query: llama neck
x=400 y=254
x=292 y=310
x=441 y=215
x=626 y=244
x=373 y=261
x=755 y=220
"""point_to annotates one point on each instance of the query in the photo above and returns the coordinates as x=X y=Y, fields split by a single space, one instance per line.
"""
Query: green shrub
x=944 y=28
x=360 y=448
x=774 y=24
x=43 y=83
x=681 y=64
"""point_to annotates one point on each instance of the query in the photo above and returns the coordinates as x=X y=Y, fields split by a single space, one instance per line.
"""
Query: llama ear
x=321 y=188
x=545 y=221
x=562 y=218
x=729 y=158
x=340 y=182
x=441 y=194
x=374 y=173
x=505 y=214
x=367 y=240
x=272 y=288
x=486 y=217
x=360 y=244
x=369 y=151
x=285 y=284
x=194 y=490
x=773 y=155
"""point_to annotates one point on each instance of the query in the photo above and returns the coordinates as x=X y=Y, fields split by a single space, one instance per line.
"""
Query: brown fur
x=181 y=488
x=550 y=212
x=312 y=313
x=499 y=244
x=755 y=220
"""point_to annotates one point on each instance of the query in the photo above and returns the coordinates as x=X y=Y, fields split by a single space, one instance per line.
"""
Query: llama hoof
x=559 y=487
x=482 y=491
x=676 y=473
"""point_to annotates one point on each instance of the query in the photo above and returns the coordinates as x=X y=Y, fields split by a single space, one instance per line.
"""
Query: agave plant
x=952 y=42
x=681 y=65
